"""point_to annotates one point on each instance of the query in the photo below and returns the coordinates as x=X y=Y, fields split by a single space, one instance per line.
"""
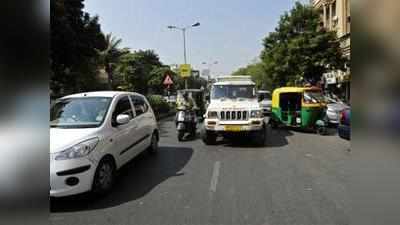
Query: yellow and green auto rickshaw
x=301 y=107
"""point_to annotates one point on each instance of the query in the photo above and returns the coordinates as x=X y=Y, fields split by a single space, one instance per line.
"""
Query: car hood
x=234 y=104
x=337 y=106
x=60 y=138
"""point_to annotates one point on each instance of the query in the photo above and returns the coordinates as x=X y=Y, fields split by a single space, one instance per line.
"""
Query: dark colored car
x=344 y=128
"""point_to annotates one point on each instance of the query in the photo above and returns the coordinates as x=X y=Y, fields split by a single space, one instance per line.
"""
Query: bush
x=159 y=104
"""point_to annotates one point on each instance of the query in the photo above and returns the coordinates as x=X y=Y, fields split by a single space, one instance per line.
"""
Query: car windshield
x=233 y=91
x=313 y=97
x=79 y=112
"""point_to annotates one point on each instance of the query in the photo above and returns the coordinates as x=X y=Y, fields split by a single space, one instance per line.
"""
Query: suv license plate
x=233 y=128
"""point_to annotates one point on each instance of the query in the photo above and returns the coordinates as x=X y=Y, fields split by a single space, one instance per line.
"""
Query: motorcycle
x=186 y=122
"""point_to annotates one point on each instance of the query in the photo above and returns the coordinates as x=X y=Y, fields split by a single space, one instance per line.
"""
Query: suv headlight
x=256 y=114
x=212 y=115
x=78 y=150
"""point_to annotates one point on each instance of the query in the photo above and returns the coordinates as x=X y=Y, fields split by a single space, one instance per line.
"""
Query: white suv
x=92 y=135
x=233 y=109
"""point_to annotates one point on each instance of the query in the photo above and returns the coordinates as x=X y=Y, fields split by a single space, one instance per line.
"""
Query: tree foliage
x=258 y=74
x=80 y=52
x=300 y=49
x=75 y=36
x=110 y=56
x=141 y=71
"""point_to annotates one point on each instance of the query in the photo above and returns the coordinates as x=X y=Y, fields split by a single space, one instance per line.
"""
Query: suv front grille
x=233 y=115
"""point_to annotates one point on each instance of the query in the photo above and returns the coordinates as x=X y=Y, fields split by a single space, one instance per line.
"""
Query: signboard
x=185 y=70
x=168 y=81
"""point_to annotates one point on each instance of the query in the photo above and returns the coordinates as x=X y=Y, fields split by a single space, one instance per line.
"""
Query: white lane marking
x=214 y=178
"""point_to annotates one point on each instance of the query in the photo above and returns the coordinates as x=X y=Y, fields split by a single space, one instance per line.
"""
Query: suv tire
x=209 y=137
x=261 y=137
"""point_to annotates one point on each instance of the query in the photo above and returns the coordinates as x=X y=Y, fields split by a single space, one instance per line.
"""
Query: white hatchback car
x=93 y=134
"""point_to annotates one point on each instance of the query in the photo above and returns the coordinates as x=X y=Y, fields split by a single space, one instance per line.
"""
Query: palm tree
x=110 y=56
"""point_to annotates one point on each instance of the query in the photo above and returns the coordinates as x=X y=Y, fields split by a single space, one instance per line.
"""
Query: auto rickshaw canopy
x=277 y=92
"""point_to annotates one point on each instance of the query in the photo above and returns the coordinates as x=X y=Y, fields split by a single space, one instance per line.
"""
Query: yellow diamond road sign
x=185 y=70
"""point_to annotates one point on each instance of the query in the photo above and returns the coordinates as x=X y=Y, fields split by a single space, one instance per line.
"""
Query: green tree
x=75 y=36
x=135 y=70
x=110 y=56
x=300 y=49
x=258 y=74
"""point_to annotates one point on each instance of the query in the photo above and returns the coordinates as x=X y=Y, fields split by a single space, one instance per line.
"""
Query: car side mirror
x=123 y=119
x=208 y=98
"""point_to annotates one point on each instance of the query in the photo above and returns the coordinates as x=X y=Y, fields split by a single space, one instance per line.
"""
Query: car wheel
x=104 y=177
x=153 y=148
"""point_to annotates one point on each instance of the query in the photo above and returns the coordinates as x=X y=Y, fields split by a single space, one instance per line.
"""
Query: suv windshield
x=313 y=97
x=233 y=91
x=79 y=112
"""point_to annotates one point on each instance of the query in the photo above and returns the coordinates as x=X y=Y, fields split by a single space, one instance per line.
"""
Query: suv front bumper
x=234 y=126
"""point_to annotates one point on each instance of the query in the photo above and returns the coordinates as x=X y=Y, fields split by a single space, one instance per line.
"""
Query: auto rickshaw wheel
x=321 y=130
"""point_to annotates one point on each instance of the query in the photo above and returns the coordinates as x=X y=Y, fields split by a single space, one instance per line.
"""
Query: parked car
x=264 y=97
x=92 y=135
x=334 y=107
x=344 y=128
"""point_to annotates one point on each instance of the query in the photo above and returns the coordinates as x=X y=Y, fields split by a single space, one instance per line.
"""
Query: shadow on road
x=277 y=137
x=274 y=138
x=134 y=180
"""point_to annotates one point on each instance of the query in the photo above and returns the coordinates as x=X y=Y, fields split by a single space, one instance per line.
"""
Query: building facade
x=335 y=16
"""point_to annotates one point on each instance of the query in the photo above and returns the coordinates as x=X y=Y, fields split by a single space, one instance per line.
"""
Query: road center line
x=214 y=178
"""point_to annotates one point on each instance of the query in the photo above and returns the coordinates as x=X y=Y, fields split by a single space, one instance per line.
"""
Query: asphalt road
x=297 y=178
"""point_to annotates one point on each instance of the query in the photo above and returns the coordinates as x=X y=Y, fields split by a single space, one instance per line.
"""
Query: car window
x=139 y=105
x=123 y=107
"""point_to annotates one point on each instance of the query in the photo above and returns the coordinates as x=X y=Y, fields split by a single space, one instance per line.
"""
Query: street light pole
x=184 y=45
x=183 y=29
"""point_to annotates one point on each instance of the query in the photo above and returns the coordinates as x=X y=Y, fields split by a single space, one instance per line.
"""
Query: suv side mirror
x=123 y=119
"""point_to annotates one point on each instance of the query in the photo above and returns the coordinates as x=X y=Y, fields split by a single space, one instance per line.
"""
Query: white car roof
x=99 y=94
x=234 y=80
x=234 y=83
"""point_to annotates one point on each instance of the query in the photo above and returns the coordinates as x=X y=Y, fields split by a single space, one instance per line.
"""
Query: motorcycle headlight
x=77 y=151
x=212 y=115
x=256 y=114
